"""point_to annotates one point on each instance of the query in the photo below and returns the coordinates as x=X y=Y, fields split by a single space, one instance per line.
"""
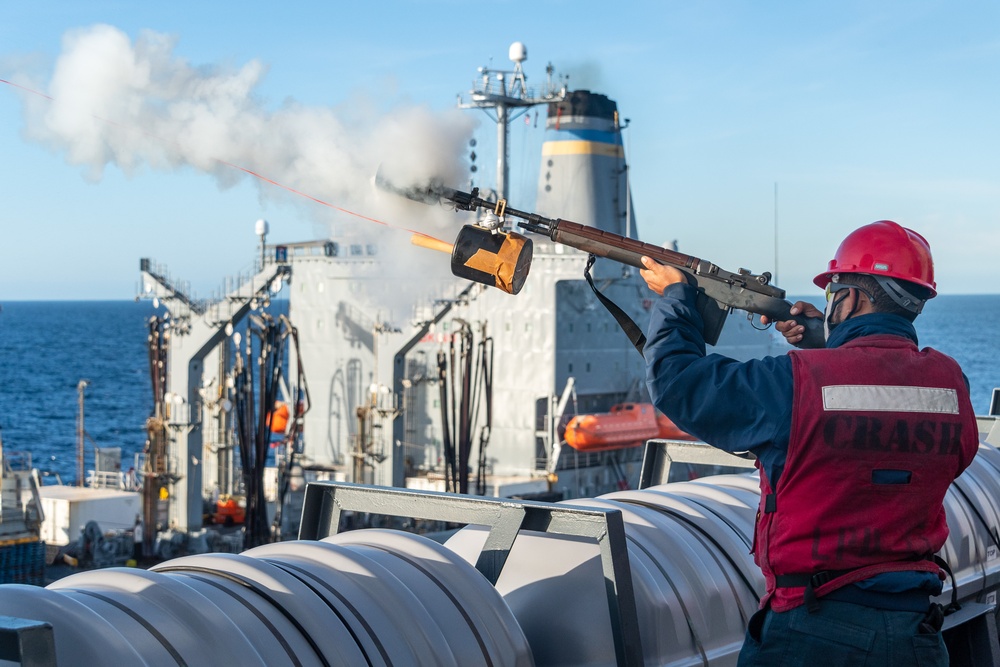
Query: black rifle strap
x=630 y=328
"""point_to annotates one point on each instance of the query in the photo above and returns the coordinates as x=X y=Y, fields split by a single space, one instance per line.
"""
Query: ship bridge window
x=356 y=250
x=372 y=249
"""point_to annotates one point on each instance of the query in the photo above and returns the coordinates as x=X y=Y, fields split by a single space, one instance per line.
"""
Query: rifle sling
x=627 y=324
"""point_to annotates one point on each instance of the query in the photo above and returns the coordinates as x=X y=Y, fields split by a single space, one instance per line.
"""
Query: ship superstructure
x=438 y=383
x=190 y=452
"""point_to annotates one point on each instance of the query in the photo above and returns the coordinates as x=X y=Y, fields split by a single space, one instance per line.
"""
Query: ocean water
x=46 y=348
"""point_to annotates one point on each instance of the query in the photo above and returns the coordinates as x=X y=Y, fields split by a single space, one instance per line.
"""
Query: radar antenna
x=504 y=96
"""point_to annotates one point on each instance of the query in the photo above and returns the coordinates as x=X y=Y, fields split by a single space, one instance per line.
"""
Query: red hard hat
x=884 y=248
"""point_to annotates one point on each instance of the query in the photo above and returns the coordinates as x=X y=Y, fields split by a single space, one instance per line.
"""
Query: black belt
x=811 y=581
x=815 y=579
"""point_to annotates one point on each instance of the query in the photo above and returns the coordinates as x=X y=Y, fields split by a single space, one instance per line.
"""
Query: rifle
x=719 y=291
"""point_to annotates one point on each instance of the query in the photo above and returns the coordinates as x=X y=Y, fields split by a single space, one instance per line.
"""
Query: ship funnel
x=583 y=176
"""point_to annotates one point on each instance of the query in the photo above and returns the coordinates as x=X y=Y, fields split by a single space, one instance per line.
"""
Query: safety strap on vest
x=630 y=328
x=813 y=581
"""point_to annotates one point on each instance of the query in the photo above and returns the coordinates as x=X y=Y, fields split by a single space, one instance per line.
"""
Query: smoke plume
x=136 y=104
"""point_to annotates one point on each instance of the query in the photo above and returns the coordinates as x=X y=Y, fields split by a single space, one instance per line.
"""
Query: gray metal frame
x=30 y=643
x=971 y=635
x=659 y=454
x=325 y=501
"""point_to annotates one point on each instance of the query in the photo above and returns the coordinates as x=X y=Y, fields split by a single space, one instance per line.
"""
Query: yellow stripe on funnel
x=582 y=148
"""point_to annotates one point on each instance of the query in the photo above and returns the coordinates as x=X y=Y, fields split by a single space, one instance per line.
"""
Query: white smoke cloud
x=136 y=104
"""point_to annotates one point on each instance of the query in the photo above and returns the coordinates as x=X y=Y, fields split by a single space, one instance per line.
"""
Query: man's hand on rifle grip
x=790 y=329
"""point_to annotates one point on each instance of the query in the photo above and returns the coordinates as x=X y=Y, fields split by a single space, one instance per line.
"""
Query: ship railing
x=176 y=289
x=106 y=479
x=15 y=460
x=213 y=436
x=237 y=286
x=20 y=502
x=153 y=465
x=240 y=286
x=659 y=455
x=494 y=87
x=178 y=414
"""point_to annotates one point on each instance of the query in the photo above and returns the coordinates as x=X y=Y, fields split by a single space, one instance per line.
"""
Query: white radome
x=518 y=52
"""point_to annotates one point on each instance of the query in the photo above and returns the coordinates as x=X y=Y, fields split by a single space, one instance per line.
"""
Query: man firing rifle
x=856 y=446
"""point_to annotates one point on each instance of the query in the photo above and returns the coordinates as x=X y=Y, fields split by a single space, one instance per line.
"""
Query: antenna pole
x=80 y=432
x=507 y=102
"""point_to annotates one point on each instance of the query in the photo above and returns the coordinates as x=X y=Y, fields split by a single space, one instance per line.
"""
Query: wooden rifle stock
x=719 y=291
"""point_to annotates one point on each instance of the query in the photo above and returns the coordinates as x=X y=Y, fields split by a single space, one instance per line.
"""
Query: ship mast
x=504 y=96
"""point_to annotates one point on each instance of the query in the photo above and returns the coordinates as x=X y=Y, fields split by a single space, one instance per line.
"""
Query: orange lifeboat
x=627 y=425
x=229 y=511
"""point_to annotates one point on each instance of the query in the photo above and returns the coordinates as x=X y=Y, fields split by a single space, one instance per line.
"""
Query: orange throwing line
x=247 y=171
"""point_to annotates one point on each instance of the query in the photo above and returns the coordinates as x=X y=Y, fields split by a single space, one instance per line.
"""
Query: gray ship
x=462 y=388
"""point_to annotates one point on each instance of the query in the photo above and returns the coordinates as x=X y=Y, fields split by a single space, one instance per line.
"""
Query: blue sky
x=857 y=110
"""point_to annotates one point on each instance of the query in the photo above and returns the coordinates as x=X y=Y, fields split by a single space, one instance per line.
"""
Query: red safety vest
x=880 y=429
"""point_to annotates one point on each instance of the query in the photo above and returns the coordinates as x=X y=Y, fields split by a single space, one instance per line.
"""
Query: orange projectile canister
x=498 y=259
